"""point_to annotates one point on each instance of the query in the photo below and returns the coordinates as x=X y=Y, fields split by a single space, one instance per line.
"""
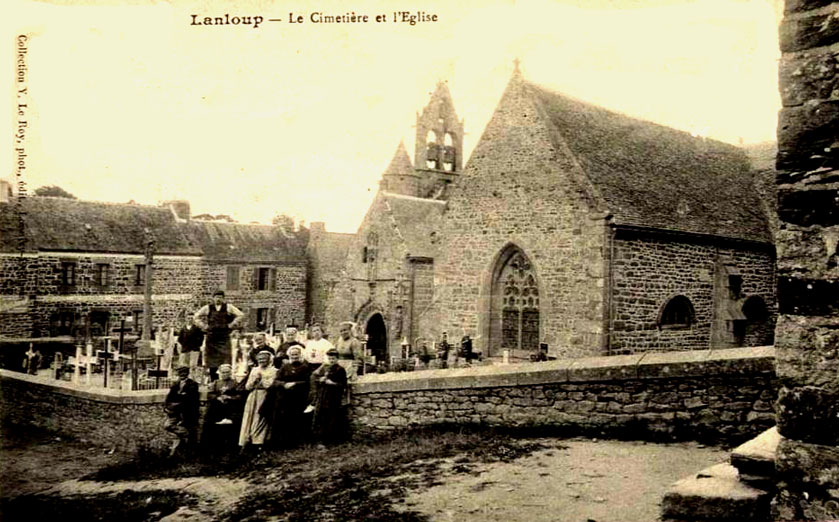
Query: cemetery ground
x=423 y=475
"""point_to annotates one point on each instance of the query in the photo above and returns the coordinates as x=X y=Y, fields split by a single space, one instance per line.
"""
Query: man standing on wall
x=217 y=319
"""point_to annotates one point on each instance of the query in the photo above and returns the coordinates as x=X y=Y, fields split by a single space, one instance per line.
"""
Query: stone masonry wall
x=107 y=418
x=37 y=279
x=647 y=272
x=354 y=297
x=423 y=295
x=286 y=303
x=720 y=395
x=807 y=335
x=42 y=274
x=180 y=283
x=711 y=394
x=518 y=189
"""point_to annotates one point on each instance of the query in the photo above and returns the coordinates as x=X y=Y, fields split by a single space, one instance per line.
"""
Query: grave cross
x=106 y=355
x=121 y=330
x=158 y=373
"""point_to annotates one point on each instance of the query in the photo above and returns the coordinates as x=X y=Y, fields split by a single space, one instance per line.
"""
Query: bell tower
x=438 y=155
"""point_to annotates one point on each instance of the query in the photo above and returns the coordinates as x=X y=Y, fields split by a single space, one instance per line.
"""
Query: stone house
x=64 y=262
x=571 y=225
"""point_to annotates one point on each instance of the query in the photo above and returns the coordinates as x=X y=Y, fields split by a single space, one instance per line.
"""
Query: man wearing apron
x=217 y=320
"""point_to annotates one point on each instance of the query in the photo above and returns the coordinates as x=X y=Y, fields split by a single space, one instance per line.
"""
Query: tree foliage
x=53 y=191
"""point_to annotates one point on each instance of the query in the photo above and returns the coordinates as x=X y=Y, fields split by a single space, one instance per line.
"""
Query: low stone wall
x=719 y=394
x=110 y=418
x=710 y=394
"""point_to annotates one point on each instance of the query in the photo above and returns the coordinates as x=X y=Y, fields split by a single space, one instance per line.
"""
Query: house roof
x=417 y=220
x=72 y=225
x=232 y=242
x=652 y=176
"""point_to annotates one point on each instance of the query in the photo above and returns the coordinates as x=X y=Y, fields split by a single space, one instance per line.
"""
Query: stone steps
x=728 y=492
x=755 y=459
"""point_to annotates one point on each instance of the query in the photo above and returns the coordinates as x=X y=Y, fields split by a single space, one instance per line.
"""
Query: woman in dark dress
x=290 y=397
x=328 y=384
x=224 y=413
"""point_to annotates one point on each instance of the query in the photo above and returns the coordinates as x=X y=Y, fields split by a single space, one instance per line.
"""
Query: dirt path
x=573 y=480
x=32 y=465
x=576 y=480
x=39 y=463
x=215 y=494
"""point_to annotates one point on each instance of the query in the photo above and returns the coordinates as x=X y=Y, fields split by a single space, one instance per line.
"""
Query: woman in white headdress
x=255 y=425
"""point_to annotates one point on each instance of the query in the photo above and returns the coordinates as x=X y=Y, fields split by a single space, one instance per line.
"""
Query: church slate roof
x=417 y=220
x=652 y=176
x=72 y=225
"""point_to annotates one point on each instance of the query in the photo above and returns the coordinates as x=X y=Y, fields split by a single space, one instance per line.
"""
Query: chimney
x=6 y=193
x=317 y=228
x=180 y=208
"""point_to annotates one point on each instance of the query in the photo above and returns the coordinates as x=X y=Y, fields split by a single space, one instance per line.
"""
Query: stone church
x=570 y=226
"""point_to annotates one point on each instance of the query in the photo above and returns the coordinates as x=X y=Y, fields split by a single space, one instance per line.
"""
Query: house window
x=68 y=274
x=62 y=323
x=677 y=313
x=99 y=321
x=261 y=319
x=101 y=274
x=265 y=278
x=232 y=277
x=140 y=275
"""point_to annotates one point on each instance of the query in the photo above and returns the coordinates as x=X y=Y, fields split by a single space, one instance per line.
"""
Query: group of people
x=293 y=394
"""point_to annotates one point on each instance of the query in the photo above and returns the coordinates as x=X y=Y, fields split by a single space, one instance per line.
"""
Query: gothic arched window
x=516 y=298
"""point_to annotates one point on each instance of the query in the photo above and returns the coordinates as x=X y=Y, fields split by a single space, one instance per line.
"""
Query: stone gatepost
x=807 y=334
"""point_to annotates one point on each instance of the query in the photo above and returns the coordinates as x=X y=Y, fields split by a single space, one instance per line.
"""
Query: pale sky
x=127 y=100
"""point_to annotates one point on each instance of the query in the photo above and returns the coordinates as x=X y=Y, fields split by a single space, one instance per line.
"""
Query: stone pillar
x=807 y=334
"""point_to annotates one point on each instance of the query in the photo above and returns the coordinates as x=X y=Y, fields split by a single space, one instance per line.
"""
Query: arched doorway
x=757 y=329
x=514 y=305
x=376 y=336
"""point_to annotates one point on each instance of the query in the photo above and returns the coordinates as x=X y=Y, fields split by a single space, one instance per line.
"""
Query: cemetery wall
x=713 y=394
x=721 y=395
x=116 y=419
